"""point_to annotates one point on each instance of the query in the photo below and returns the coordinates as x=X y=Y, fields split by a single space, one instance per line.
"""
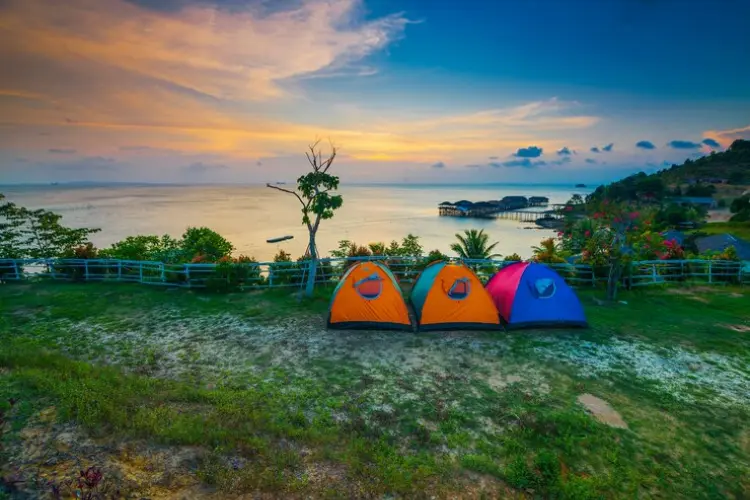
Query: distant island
x=580 y=185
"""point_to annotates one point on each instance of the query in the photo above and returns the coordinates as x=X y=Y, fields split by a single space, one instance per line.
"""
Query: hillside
x=732 y=164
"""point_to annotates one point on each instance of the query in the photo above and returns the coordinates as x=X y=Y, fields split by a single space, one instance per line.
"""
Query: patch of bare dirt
x=690 y=293
x=736 y=328
x=49 y=460
x=602 y=411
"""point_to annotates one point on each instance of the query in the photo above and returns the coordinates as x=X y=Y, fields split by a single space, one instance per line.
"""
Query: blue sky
x=234 y=90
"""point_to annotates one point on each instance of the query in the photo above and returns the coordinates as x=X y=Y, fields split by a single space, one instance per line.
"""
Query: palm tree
x=474 y=244
x=548 y=252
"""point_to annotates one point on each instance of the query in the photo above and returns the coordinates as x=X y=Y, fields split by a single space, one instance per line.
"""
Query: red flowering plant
x=607 y=237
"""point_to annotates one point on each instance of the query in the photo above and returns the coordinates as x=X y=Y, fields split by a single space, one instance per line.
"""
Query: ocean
x=249 y=215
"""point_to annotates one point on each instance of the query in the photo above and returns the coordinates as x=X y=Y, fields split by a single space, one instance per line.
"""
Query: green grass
x=738 y=229
x=257 y=377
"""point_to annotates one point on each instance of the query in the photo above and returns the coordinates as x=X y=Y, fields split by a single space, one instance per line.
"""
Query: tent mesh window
x=459 y=290
x=544 y=288
x=369 y=288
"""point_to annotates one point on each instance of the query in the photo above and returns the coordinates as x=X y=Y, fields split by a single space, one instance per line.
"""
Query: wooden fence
x=294 y=274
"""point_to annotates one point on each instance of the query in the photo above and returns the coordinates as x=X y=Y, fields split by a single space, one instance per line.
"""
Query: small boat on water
x=280 y=238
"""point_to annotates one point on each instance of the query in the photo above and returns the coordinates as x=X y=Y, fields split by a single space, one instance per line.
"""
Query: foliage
x=673 y=215
x=36 y=234
x=740 y=207
x=474 y=244
x=233 y=274
x=514 y=257
x=548 y=252
x=636 y=187
x=701 y=190
x=737 y=177
x=145 y=247
x=204 y=243
x=314 y=195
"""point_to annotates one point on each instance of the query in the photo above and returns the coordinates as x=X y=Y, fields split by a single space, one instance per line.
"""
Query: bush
x=77 y=272
x=144 y=247
x=232 y=275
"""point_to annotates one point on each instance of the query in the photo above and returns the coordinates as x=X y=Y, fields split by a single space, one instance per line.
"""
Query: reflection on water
x=249 y=215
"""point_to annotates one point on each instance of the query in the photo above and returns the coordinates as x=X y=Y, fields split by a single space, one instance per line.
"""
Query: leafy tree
x=740 y=207
x=314 y=195
x=205 y=244
x=36 y=234
x=673 y=215
x=474 y=244
x=514 y=257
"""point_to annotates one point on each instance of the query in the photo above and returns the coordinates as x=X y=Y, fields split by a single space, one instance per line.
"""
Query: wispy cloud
x=61 y=151
x=439 y=164
x=565 y=151
x=200 y=167
x=608 y=147
x=711 y=143
x=645 y=145
x=595 y=150
x=726 y=137
x=525 y=163
x=591 y=161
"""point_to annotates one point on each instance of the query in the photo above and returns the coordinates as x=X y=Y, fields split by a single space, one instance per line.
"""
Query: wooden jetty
x=510 y=207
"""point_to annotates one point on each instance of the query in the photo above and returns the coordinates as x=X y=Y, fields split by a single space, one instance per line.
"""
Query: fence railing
x=255 y=275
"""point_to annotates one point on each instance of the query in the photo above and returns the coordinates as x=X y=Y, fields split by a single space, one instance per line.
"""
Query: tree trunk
x=615 y=271
x=312 y=267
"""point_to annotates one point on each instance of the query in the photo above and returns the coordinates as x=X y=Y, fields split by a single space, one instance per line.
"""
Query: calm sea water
x=249 y=215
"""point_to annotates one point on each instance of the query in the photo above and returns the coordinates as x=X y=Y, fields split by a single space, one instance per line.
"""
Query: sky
x=224 y=91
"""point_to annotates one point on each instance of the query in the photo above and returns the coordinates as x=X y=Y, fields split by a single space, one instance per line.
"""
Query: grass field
x=176 y=394
x=738 y=229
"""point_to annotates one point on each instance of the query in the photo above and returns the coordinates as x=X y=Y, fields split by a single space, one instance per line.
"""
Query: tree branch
x=277 y=188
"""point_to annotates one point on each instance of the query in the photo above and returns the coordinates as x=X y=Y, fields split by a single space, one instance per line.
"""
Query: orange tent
x=368 y=296
x=451 y=297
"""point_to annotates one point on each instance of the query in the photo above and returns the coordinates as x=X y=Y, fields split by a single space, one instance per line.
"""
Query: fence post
x=187 y=274
x=653 y=273
x=710 y=278
x=85 y=270
x=119 y=270
x=140 y=272
x=18 y=275
x=270 y=276
x=593 y=277
x=163 y=275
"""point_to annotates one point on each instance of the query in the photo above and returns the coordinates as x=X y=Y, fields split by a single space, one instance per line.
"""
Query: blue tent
x=533 y=295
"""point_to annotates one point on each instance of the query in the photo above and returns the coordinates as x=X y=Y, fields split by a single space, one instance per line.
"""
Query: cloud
x=473 y=165
x=565 y=151
x=200 y=167
x=591 y=161
x=439 y=164
x=608 y=147
x=493 y=158
x=711 y=143
x=645 y=145
x=561 y=161
x=62 y=151
x=134 y=148
x=258 y=163
x=727 y=137
x=231 y=53
x=595 y=150
x=530 y=152
x=525 y=163
x=683 y=145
